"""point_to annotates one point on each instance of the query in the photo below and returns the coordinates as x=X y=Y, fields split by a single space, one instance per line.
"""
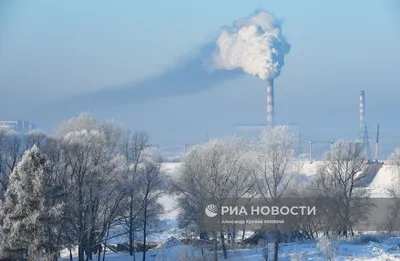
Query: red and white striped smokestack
x=270 y=102
x=362 y=109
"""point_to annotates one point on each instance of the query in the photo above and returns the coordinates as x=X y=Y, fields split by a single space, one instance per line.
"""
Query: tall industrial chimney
x=270 y=102
x=377 y=145
x=362 y=109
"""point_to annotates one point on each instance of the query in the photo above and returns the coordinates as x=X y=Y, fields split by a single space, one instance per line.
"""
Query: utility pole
x=310 y=142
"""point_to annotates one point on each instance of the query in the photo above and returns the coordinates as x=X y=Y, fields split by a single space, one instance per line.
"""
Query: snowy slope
x=171 y=168
x=309 y=169
x=382 y=181
x=169 y=202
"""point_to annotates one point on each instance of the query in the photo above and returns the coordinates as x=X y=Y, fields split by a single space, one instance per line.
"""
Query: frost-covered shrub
x=299 y=256
x=329 y=247
x=375 y=237
x=367 y=238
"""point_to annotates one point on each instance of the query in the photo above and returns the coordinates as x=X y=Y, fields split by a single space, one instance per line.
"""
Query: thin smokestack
x=270 y=102
x=377 y=144
x=362 y=109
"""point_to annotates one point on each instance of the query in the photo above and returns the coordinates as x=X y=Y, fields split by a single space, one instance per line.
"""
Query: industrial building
x=18 y=126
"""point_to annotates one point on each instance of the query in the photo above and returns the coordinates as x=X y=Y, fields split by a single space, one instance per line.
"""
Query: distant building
x=18 y=126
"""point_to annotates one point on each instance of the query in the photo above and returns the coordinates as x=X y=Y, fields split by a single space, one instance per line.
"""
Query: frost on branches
x=329 y=247
x=30 y=219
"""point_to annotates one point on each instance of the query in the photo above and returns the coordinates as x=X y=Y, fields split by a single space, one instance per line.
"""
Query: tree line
x=233 y=169
x=72 y=187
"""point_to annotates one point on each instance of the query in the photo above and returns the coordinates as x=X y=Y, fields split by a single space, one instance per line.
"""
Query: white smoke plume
x=254 y=44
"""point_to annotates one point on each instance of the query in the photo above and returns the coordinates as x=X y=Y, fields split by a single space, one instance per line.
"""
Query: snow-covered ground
x=173 y=250
x=386 y=249
x=169 y=202
x=382 y=181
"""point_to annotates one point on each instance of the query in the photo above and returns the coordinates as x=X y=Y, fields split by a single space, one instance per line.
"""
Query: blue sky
x=51 y=51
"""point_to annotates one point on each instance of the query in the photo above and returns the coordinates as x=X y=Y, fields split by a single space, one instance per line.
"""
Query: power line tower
x=367 y=150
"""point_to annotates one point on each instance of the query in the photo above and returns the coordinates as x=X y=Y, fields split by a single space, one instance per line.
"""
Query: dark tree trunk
x=81 y=247
x=215 y=245
x=90 y=247
x=105 y=242
x=99 y=253
x=276 y=245
x=276 y=250
x=243 y=232
x=223 y=245
x=81 y=255
x=145 y=229
x=266 y=253
x=131 y=247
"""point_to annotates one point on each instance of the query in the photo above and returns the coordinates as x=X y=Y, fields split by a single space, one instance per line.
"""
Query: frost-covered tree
x=35 y=137
x=329 y=246
x=95 y=180
x=114 y=136
x=340 y=178
x=151 y=186
x=94 y=172
x=31 y=220
x=11 y=150
x=135 y=146
x=275 y=168
x=87 y=169
x=145 y=183
x=217 y=169
x=299 y=256
x=3 y=160
x=85 y=121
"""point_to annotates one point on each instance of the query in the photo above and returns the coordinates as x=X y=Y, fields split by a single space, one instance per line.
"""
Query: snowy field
x=387 y=250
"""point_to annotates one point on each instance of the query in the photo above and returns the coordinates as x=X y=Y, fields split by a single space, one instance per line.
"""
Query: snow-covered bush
x=299 y=256
x=374 y=237
x=367 y=238
x=329 y=247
